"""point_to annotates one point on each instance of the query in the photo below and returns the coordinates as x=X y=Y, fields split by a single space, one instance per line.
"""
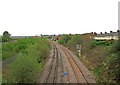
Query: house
x=107 y=36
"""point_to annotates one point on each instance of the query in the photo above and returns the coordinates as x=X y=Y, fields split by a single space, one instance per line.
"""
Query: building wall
x=106 y=38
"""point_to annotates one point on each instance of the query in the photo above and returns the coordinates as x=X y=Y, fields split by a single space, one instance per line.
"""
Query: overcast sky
x=32 y=17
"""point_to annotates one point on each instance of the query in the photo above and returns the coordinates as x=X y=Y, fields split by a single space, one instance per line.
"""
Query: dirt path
x=64 y=67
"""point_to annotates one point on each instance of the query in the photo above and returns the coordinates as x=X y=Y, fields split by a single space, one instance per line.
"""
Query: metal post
x=79 y=49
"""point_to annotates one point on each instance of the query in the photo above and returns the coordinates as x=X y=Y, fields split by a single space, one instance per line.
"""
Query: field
x=33 y=52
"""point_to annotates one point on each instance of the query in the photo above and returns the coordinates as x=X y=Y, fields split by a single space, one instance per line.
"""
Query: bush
x=61 y=42
x=6 y=36
x=43 y=50
x=95 y=43
x=26 y=68
x=65 y=39
x=12 y=48
x=111 y=65
x=76 y=39
x=23 y=70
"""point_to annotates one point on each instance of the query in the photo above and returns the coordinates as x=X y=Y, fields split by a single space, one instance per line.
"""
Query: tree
x=66 y=38
x=6 y=36
x=75 y=40
x=95 y=33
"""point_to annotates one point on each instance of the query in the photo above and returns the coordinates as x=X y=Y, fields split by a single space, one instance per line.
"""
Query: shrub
x=23 y=70
x=11 y=48
x=95 y=43
x=61 y=41
x=111 y=65
x=26 y=68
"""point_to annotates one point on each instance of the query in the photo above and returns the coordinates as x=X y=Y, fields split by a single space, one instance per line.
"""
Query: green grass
x=27 y=66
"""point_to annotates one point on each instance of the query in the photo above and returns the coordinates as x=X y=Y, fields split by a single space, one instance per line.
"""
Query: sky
x=34 y=17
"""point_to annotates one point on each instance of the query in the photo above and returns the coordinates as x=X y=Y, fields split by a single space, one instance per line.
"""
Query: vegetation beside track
x=27 y=66
x=101 y=57
x=10 y=49
x=0 y=52
x=70 y=41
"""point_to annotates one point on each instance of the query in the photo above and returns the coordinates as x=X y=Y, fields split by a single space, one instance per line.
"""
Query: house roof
x=108 y=34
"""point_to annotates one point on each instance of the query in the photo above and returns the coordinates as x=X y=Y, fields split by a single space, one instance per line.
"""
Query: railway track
x=50 y=73
x=64 y=67
x=77 y=72
x=84 y=71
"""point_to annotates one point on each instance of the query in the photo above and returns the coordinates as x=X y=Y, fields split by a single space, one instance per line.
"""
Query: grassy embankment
x=0 y=59
x=27 y=66
x=100 y=57
x=0 y=48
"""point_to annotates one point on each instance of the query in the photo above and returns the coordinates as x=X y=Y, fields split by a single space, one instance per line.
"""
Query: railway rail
x=64 y=67
x=49 y=74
